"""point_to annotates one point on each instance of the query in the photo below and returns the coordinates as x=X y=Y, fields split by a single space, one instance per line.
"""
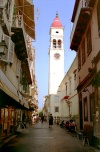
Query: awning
x=7 y=87
x=8 y=90
x=6 y=100
x=65 y=97
x=27 y=10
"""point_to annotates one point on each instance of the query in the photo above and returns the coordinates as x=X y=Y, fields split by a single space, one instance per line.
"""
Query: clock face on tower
x=57 y=56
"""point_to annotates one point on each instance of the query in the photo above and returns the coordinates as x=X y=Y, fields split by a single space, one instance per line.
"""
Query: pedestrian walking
x=50 y=121
x=42 y=118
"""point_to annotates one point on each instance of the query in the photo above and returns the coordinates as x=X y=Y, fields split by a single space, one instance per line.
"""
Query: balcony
x=27 y=10
x=81 y=17
x=32 y=105
x=18 y=37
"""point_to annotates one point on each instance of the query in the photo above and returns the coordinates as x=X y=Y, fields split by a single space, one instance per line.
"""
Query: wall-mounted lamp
x=3 y=48
x=85 y=90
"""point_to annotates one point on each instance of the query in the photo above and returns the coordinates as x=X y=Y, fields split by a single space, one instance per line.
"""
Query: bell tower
x=56 y=56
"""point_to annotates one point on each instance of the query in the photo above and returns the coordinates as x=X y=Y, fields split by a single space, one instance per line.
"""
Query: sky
x=45 y=12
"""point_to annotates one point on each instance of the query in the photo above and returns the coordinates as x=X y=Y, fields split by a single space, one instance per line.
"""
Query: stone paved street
x=41 y=138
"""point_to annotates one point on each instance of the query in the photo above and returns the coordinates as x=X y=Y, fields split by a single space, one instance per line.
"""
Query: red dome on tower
x=56 y=22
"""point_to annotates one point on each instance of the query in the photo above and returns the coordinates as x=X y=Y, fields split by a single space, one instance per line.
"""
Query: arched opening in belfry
x=54 y=43
x=59 y=43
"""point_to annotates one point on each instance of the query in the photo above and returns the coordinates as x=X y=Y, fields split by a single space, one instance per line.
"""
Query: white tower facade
x=56 y=56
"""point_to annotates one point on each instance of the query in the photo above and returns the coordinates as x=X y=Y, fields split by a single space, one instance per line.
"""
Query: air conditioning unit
x=4 y=48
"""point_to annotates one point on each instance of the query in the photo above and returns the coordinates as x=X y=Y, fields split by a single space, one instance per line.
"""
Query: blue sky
x=44 y=17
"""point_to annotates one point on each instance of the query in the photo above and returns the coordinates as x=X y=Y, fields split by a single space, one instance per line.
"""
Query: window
x=54 y=43
x=89 y=43
x=79 y=60
x=7 y=6
x=98 y=15
x=70 y=85
x=59 y=43
x=56 y=99
x=66 y=89
x=83 y=51
x=56 y=109
x=57 y=31
x=85 y=109
x=75 y=78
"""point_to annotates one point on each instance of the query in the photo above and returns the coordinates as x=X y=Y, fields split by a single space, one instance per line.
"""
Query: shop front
x=10 y=114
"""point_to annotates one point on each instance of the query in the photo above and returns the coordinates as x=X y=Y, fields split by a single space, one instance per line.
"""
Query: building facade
x=85 y=37
x=67 y=92
x=17 y=29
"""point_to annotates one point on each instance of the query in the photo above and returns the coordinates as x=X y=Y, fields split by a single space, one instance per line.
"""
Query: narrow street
x=41 y=138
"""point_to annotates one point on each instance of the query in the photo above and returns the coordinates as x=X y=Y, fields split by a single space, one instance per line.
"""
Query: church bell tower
x=56 y=56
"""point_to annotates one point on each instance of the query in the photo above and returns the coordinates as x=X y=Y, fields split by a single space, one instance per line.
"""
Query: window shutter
x=98 y=15
x=11 y=52
x=18 y=68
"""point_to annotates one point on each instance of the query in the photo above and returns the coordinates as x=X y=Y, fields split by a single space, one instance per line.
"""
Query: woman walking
x=50 y=121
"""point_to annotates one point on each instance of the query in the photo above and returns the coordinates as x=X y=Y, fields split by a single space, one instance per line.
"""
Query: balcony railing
x=82 y=4
x=4 y=16
x=18 y=21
